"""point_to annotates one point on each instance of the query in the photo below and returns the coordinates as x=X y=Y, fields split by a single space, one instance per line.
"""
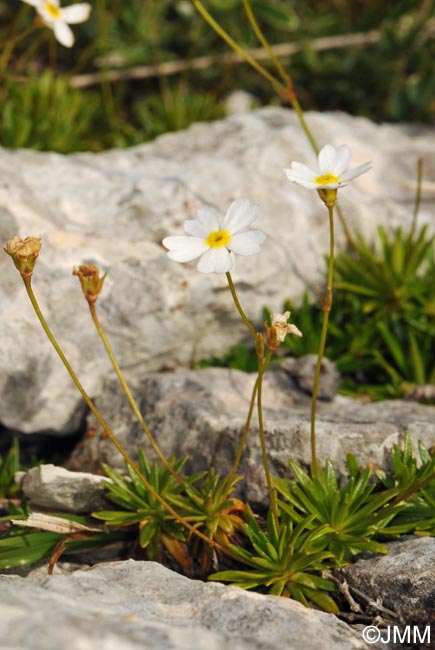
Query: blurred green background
x=389 y=79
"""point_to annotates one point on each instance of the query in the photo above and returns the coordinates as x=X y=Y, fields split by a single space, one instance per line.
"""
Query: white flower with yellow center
x=332 y=169
x=214 y=240
x=58 y=18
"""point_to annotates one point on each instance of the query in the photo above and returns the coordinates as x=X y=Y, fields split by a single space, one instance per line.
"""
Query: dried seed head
x=24 y=253
x=90 y=280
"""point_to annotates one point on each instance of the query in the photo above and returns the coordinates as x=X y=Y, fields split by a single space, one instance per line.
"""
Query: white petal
x=196 y=228
x=292 y=329
x=303 y=171
x=63 y=33
x=34 y=3
x=295 y=178
x=216 y=260
x=184 y=249
x=356 y=171
x=327 y=159
x=76 y=13
x=247 y=243
x=209 y=220
x=342 y=160
x=240 y=215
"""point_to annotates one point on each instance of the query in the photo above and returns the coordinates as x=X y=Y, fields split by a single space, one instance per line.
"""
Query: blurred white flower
x=332 y=170
x=58 y=18
x=214 y=240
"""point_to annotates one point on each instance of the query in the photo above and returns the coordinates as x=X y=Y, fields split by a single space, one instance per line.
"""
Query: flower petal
x=240 y=215
x=63 y=33
x=216 y=260
x=196 y=228
x=356 y=171
x=303 y=171
x=247 y=243
x=184 y=249
x=34 y=3
x=342 y=160
x=208 y=219
x=74 y=14
x=300 y=180
x=327 y=159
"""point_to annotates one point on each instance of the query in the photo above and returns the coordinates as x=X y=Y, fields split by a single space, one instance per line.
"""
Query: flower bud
x=24 y=253
x=90 y=280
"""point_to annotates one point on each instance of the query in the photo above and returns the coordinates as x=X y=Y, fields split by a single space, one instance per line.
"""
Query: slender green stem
x=129 y=395
x=106 y=88
x=239 y=306
x=244 y=437
x=327 y=304
x=272 y=495
x=417 y=195
x=237 y=48
x=259 y=34
x=246 y=428
x=104 y=425
x=10 y=45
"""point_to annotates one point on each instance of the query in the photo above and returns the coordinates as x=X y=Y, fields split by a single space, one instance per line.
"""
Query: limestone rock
x=144 y=606
x=114 y=208
x=201 y=414
x=56 y=488
x=402 y=581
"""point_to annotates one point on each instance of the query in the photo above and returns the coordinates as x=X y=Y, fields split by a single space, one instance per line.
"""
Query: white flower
x=282 y=327
x=212 y=239
x=331 y=172
x=57 y=18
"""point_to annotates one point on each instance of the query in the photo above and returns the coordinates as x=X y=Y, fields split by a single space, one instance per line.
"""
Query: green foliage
x=382 y=324
x=285 y=562
x=210 y=508
x=173 y=110
x=44 y=114
x=363 y=511
x=157 y=528
x=353 y=513
x=417 y=514
x=395 y=80
x=9 y=465
x=21 y=546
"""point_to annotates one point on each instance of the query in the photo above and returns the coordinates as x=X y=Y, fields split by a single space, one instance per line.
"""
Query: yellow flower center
x=218 y=238
x=326 y=179
x=52 y=10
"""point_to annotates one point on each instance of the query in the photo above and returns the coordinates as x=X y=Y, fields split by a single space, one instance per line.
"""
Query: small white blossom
x=213 y=239
x=58 y=18
x=282 y=327
x=332 y=169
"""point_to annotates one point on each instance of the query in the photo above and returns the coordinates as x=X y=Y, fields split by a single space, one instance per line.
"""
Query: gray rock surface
x=402 y=581
x=201 y=414
x=142 y=605
x=114 y=208
x=56 y=488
